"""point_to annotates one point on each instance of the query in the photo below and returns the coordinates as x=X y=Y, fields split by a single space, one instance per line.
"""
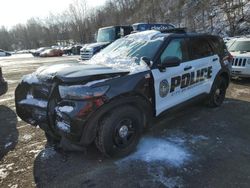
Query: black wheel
x=119 y=131
x=218 y=92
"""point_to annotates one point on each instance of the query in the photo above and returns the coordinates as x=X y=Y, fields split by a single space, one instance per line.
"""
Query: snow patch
x=119 y=63
x=4 y=170
x=3 y=173
x=144 y=36
x=48 y=153
x=95 y=82
x=27 y=137
x=30 y=78
x=63 y=126
x=8 y=145
x=159 y=150
x=237 y=92
x=65 y=109
x=35 y=102
x=159 y=176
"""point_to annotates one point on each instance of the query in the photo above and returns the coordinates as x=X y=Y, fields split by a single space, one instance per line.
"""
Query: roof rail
x=180 y=30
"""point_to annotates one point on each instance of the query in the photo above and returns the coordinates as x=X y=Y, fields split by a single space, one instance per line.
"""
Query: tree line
x=79 y=23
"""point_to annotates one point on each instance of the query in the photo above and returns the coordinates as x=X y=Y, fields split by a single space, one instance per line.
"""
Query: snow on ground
x=152 y=150
x=237 y=92
x=157 y=173
x=4 y=170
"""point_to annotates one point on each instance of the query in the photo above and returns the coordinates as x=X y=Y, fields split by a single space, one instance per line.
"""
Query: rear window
x=200 y=48
x=219 y=46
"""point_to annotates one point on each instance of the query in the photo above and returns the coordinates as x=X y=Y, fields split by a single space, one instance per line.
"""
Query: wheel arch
x=137 y=100
x=225 y=75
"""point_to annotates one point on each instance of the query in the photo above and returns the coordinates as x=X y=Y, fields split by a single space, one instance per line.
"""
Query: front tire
x=218 y=92
x=119 y=131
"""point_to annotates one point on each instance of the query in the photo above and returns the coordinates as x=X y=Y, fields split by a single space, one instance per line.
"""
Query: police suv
x=111 y=98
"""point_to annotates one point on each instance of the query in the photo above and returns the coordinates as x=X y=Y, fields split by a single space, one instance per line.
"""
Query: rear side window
x=200 y=48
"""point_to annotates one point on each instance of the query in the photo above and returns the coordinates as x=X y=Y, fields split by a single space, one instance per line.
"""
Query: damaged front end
x=60 y=106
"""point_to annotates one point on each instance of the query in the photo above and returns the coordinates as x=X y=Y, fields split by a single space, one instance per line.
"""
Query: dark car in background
x=36 y=53
x=105 y=36
x=72 y=50
x=3 y=84
x=51 y=53
x=4 y=53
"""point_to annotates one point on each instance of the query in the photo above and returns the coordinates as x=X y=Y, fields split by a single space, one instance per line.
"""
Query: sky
x=19 y=11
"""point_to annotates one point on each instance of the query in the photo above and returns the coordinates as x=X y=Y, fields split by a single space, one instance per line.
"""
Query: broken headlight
x=80 y=92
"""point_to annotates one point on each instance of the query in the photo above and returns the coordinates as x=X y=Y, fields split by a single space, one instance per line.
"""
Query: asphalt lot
x=196 y=147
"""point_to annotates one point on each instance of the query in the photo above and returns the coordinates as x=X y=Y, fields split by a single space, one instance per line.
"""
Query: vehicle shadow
x=241 y=81
x=195 y=128
x=8 y=131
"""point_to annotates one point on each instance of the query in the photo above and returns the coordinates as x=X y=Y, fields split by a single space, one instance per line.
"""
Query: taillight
x=228 y=57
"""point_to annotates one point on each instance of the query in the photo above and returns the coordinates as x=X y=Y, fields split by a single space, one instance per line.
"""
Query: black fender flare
x=91 y=126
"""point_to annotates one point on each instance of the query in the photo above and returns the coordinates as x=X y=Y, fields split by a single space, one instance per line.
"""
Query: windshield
x=106 y=35
x=132 y=48
x=240 y=46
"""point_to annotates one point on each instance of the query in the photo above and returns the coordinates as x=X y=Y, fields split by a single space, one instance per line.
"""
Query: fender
x=140 y=102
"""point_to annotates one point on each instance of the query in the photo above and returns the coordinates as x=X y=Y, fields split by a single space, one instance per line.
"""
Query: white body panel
x=180 y=95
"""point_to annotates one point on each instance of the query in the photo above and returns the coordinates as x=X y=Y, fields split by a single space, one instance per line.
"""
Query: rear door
x=206 y=63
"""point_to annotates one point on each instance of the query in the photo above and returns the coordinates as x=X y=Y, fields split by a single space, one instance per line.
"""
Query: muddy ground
x=196 y=147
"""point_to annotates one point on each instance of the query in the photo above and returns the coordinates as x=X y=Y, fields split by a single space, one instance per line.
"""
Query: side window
x=176 y=48
x=200 y=48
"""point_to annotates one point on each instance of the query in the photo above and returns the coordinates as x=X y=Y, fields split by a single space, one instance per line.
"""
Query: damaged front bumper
x=40 y=104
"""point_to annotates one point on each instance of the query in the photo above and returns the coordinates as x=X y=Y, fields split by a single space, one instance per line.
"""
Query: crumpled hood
x=77 y=72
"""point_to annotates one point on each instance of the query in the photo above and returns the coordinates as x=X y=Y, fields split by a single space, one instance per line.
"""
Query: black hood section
x=97 y=45
x=78 y=72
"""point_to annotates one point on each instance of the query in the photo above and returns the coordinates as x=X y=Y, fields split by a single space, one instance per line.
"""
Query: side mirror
x=146 y=60
x=170 y=61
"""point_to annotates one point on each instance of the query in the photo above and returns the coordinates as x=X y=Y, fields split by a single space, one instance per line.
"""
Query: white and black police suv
x=114 y=96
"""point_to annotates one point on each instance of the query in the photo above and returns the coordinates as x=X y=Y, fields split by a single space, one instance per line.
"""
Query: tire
x=218 y=93
x=119 y=131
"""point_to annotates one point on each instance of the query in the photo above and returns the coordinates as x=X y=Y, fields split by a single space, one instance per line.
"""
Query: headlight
x=80 y=92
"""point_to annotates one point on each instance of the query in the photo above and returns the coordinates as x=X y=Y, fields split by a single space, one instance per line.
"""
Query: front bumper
x=64 y=118
x=241 y=71
x=3 y=87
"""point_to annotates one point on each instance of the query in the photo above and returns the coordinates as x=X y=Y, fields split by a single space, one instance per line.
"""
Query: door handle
x=215 y=59
x=187 y=68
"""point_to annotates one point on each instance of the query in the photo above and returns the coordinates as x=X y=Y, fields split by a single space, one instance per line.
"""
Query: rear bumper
x=3 y=87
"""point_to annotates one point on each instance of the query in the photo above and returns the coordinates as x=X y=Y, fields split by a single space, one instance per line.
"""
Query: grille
x=239 y=62
x=86 y=55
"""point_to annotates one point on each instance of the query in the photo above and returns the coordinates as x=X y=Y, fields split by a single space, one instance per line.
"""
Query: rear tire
x=218 y=93
x=119 y=131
